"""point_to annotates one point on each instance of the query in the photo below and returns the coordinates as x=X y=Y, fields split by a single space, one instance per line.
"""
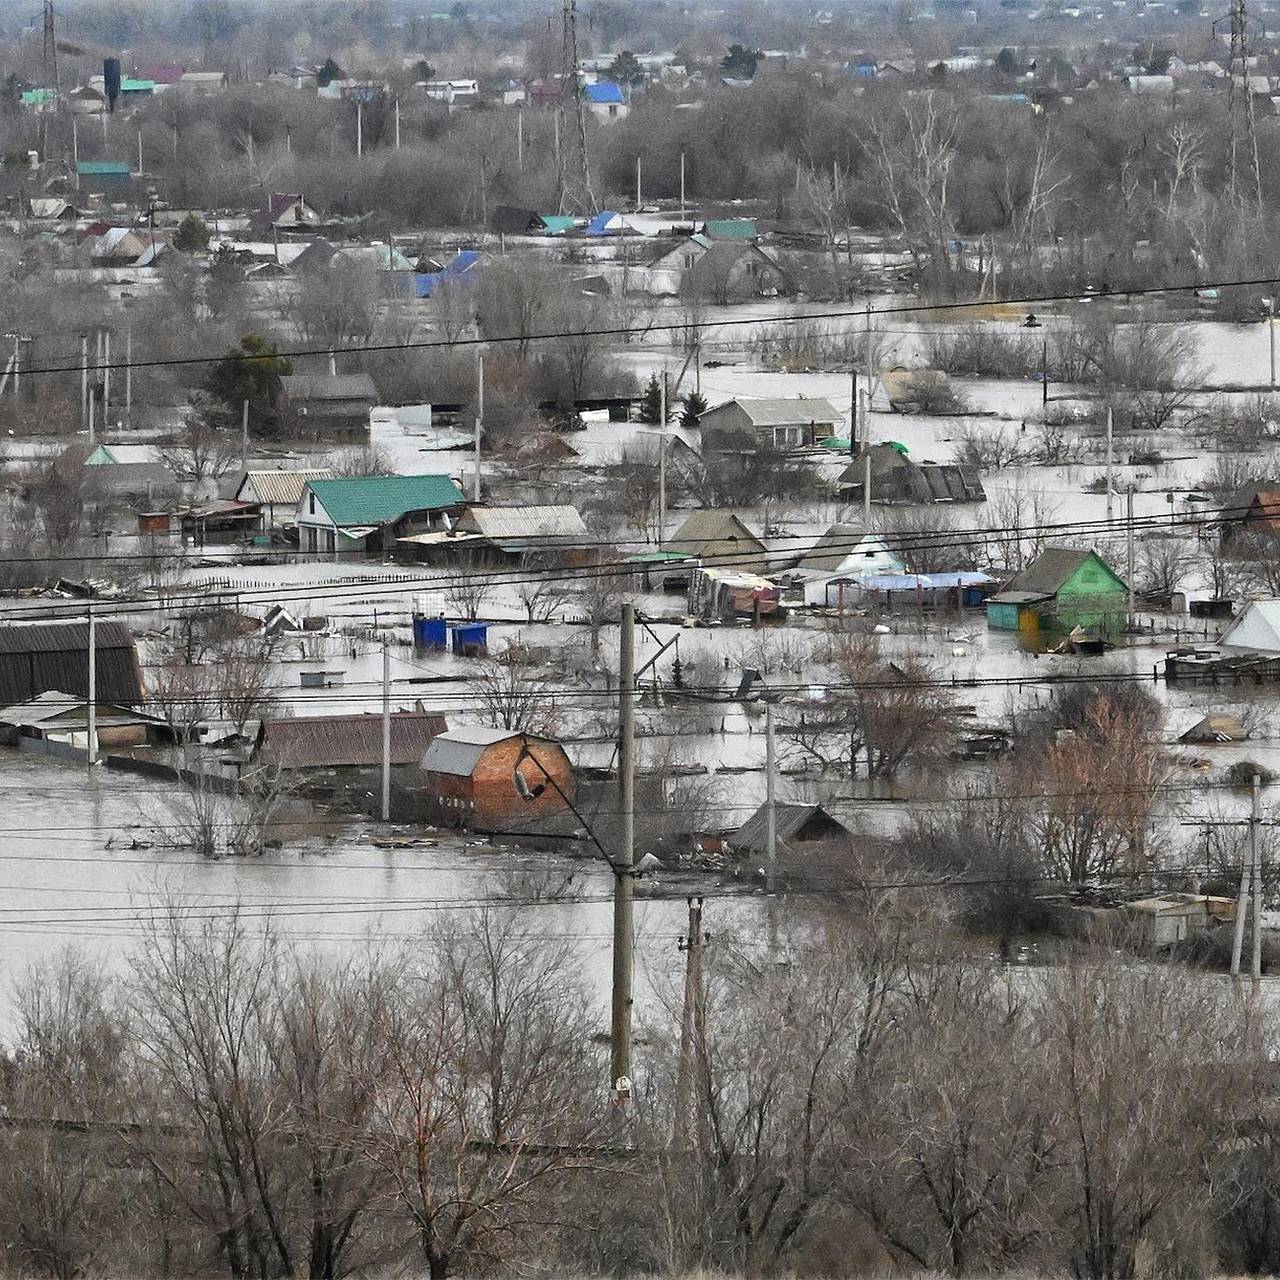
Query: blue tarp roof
x=598 y=224
x=606 y=92
x=425 y=283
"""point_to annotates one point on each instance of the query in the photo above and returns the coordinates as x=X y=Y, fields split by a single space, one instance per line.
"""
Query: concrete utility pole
x=140 y=168
x=1129 y=551
x=662 y=490
x=244 y=435
x=853 y=414
x=1255 y=854
x=1110 y=443
x=866 y=489
x=520 y=140
x=359 y=128
x=84 y=379
x=92 y=398
x=128 y=376
x=17 y=364
x=770 y=804
x=475 y=485
x=75 y=152
x=106 y=379
x=682 y=213
x=638 y=200
x=623 y=883
x=92 y=745
x=1242 y=907
x=386 y=729
x=397 y=124
x=1271 y=336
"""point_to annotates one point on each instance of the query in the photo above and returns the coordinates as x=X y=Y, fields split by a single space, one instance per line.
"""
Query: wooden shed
x=495 y=779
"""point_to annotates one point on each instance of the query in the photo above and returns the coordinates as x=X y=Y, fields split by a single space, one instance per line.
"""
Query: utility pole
x=386 y=729
x=866 y=489
x=92 y=744
x=1242 y=900
x=17 y=364
x=662 y=490
x=1255 y=856
x=475 y=486
x=397 y=124
x=359 y=128
x=75 y=151
x=1110 y=442
x=128 y=375
x=140 y=169
x=93 y=395
x=106 y=379
x=682 y=208
x=520 y=141
x=853 y=413
x=770 y=804
x=1271 y=336
x=1044 y=371
x=623 y=883
x=691 y=1019
x=697 y=366
x=84 y=379
x=1129 y=551
x=244 y=435
x=638 y=200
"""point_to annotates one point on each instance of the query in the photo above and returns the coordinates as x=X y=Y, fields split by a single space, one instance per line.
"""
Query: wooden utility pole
x=682 y=212
x=853 y=413
x=1242 y=907
x=692 y=1020
x=128 y=376
x=386 y=729
x=770 y=804
x=244 y=435
x=359 y=128
x=475 y=484
x=106 y=379
x=397 y=124
x=866 y=489
x=623 y=882
x=84 y=379
x=662 y=491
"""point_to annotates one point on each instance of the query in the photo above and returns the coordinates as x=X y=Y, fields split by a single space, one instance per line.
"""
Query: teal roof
x=557 y=224
x=128 y=85
x=657 y=557
x=35 y=97
x=101 y=457
x=102 y=169
x=731 y=229
x=379 y=499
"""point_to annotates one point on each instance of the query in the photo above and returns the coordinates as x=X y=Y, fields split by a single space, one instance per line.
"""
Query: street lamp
x=1032 y=323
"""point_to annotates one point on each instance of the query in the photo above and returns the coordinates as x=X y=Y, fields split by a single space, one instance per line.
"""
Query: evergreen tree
x=626 y=69
x=328 y=73
x=740 y=62
x=651 y=402
x=192 y=234
x=692 y=405
x=250 y=371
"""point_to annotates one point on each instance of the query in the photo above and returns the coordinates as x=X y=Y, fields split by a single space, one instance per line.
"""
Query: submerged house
x=1061 y=589
x=745 y=425
x=326 y=404
x=272 y=490
x=718 y=538
x=40 y=657
x=55 y=720
x=1256 y=632
x=793 y=824
x=896 y=479
x=495 y=779
x=365 y=514
x=843 y=554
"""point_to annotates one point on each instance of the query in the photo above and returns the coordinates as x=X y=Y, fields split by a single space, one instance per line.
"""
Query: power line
x=682 y=326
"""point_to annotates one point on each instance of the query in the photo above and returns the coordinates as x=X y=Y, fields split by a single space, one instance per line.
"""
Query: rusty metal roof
x=336 y=742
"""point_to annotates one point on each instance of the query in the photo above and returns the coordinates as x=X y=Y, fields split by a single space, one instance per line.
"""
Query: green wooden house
x=1061 y=589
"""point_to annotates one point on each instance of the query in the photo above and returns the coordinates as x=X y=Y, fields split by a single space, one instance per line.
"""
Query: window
x=311 y=504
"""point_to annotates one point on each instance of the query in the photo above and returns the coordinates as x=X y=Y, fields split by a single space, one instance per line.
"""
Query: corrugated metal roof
x=718 y=535
x=326 y=386
x=285 y=487
x=43 y=656
x=500 y=523
x=375 y=500
x=55 y=705
x=102 y=169
x=785 y=411
x=731 y=228
x=336 y=742
x=458 y=751
x=1049 y=571
x=606 y=93
x=831 y=550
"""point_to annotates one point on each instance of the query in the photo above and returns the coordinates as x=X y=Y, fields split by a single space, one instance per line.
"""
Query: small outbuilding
x=793 y=824
x=43 y=657
x=718 y=538
x=1061 y=589
x=1255 y=632
x=495 y=779
x=743 y=425
x=326 y=404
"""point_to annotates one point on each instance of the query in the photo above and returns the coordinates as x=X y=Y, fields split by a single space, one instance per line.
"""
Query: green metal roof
x=557 y=223
x=35 y=97
x=128 y=85
x=379 y=499
x=731 y=228
x=101 y=457
x=102 y=169
x=657 y=557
